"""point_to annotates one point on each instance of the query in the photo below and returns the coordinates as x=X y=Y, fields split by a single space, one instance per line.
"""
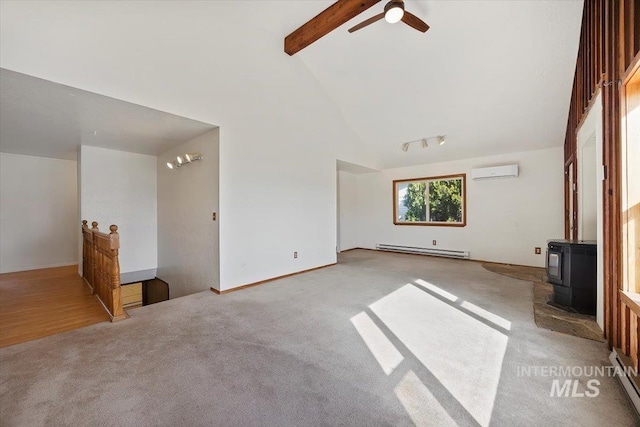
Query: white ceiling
x=42 y=118
x=343 y=166
x=493 y=76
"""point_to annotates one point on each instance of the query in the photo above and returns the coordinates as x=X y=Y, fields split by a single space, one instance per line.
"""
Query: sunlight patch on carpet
x=487 y=315
x=421 y=405
x=464 y=354
x=433 y=288
x=382 y=349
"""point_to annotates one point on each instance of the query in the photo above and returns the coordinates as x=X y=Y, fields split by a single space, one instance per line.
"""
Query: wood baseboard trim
x=119 y=318
x=226 y=291
x=41 y=269
x=503 y=263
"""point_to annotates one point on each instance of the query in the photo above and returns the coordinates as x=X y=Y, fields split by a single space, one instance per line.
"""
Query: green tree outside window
x=431 y=200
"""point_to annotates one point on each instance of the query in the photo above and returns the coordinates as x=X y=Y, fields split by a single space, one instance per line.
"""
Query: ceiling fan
x=394 y=12
x=342 y=11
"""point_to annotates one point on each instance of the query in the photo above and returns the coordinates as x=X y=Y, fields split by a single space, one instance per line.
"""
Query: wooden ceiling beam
x=325 y=22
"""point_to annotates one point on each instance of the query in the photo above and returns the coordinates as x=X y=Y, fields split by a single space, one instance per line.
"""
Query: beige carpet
x=378 y=340
x=545 y=315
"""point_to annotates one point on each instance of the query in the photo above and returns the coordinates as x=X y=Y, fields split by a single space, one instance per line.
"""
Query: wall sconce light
x=424 y=142
x=181 y=161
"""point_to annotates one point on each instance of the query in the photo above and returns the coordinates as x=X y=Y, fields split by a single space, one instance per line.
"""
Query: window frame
x=394 y=194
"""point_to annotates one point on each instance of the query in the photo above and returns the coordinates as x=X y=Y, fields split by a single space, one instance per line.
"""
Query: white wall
x=348 y=214
x=39 y=223
x=587 y=186
x=280 y=134
x=506 y=218
x=78 y=209
x=121 y=188
x=188 y=238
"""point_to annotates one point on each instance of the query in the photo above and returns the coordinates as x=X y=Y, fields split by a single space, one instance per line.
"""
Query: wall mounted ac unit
x=509 y=171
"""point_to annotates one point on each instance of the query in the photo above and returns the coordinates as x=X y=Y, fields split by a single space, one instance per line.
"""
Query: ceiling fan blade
x=367 y=22
x=414 y=22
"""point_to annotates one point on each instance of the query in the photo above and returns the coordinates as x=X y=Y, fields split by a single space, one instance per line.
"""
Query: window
x=438 y=200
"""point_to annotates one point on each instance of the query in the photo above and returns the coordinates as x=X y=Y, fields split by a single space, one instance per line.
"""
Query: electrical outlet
x=214 y=216
x=434 y=243
x=538 y=251
x=295 y=254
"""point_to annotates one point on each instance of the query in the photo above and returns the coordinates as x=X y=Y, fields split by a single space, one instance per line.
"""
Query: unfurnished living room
x=292 y=213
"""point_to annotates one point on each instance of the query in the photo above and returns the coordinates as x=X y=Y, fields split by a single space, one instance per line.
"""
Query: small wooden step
x=132 y=296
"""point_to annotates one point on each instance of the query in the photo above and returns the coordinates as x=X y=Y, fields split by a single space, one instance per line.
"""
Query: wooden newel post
x=116 y=295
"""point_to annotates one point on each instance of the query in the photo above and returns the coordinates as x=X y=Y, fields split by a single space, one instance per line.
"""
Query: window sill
x=631 y=300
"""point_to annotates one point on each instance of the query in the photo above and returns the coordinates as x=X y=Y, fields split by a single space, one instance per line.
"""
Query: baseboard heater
x=627 y=383
x=423 y=251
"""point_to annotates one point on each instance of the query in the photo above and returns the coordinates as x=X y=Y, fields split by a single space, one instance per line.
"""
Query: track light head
x=424 y=143
x=193 y=156
x=405 y=146
x=181 y=161
x=441 y=139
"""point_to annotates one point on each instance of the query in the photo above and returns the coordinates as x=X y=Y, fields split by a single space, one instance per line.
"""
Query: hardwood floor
x=38 y=303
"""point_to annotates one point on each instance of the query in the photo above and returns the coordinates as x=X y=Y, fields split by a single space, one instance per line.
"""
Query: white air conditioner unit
x=509 y=171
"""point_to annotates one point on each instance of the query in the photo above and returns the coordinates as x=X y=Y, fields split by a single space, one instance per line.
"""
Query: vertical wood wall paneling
x=609 y=42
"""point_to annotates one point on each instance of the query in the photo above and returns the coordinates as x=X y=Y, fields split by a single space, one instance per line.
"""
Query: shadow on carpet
x=545 y=315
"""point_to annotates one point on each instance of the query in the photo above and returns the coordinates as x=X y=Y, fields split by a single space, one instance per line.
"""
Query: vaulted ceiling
x=493 y=76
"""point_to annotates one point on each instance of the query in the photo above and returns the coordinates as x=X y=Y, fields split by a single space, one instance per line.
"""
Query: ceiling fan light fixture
x=393 y=12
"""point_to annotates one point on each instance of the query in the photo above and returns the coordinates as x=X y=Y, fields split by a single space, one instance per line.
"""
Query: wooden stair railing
x=101 y=268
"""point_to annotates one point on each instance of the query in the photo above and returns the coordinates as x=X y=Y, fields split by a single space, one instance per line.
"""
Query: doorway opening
x=589 y=179
x=348 y=176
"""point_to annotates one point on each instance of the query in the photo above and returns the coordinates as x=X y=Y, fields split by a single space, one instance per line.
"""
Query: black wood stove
x=571 y=268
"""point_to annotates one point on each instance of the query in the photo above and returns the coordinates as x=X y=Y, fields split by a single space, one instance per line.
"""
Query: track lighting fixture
x=181 y=161
x=192 y=156
x=424 y=142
